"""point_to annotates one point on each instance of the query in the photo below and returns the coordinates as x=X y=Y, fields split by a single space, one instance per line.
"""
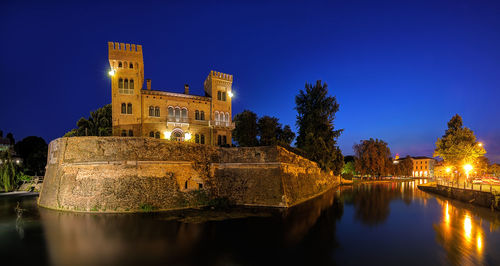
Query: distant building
x=144 y=112
x=422 y=166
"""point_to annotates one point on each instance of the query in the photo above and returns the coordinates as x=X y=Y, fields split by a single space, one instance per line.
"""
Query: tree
x=317 y=136
x=99 y=123
x=404 y=167
x=349 y=170
x=373 y=158
x=286 y=136
x=33 y=150
x=7 y=172
x=494 y=169
x=458 y=146
x=10 y=137
x=268 y=130
x=245 y=131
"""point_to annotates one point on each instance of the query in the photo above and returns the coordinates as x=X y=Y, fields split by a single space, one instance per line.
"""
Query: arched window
x=125 y=84
x=184 y=114
x=202 y=139
x=151 y=111
x=120 y=83
x=120 y=64
x=202 y=115
x=157 y=111
x=131 y=65
x=197 y=115
x=130 y=133
x=131 y=84
x=124 y=108
x=157 y=135
x=197 y=138
x=217 y=118
x=170 y=113
x=177 y=114
x=151 y=134
x=124 y=133
x=129 y=108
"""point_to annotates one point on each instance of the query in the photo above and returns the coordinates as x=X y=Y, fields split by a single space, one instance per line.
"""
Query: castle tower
x=127 y=69
x=218 y=87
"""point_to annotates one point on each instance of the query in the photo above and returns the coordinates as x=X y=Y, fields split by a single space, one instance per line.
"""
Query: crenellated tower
x=218 y=86
x=127 y=69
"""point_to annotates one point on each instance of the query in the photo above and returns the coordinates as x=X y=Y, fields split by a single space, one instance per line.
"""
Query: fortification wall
x=120 y=174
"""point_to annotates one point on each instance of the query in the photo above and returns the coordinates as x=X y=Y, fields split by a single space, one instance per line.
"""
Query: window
x=125 y=84
x=224 y=96
x=200 y=185
x=157 y=111
x=170 y=112
x=202 y=139
x=186 y=185
x=120 y=83
x=124 y=108
x=196 y=138
x=202 y=115
x=177 y=114
x=124 y=133
x=197 y=115
x=151 y=111
x=120 y=64
x=224 y=140
x=151 y=134
x=129 y=108
x=131 y=84
x=130 y=133
x=219 y=140
x=157 y=135
x=219 y=97
x=184 y=114
x=131 y=65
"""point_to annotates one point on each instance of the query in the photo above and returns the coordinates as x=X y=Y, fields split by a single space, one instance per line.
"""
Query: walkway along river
x=365 y=224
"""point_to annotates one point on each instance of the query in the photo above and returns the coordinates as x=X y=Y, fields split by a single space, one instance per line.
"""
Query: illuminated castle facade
x=166 y=115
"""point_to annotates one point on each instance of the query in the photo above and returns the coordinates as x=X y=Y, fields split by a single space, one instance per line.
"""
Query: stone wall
x=120 y=174
x=479 y=198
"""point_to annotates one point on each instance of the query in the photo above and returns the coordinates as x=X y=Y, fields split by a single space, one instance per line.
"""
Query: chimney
x=148 y=84
x=186 y=89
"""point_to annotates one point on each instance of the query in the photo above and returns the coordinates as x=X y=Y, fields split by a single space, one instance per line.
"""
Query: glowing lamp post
x=187 y=136
x=230 y=94
x=467 y=169
x=111 y=72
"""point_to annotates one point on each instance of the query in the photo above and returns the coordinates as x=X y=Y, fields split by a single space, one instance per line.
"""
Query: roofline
x=182 y=95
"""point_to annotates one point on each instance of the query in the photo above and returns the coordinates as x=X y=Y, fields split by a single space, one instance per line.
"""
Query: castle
x=166 y=115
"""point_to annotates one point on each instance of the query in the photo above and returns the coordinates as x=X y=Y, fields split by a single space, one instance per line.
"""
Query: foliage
x=317 y=136
x=99 y=123
x=8 y=172
x=268 y=130
x=373 y=158
x=458 y=145
x=245 y=131
x=33 y=150
x=494 y=169
x=404 y=167
x=147 y=207
x=348 y=171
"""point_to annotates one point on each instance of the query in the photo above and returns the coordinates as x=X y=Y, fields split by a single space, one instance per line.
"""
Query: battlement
x=124 y=47
x=220 y=75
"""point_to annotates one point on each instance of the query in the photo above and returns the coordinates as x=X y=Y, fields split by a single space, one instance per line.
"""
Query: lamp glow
x=111 y=72
x=480 y=144
x=467 y=168
x=448 y=169
x=187 y=136
x=167 y=134
x=230 y=94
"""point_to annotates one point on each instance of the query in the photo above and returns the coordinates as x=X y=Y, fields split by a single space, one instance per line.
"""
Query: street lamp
x=111 y=72
x=467 y=169
x=230 y=94
x=480 y=144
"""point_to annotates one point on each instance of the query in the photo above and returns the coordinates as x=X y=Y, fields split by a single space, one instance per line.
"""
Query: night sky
x=399 y=69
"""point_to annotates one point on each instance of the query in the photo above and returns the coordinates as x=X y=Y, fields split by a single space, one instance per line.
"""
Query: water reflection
x=86 y=239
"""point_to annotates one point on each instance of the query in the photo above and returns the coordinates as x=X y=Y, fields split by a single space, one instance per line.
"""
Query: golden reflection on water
x=461 y=234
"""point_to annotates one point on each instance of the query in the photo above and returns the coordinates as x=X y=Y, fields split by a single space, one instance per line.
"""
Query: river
x=390 y=223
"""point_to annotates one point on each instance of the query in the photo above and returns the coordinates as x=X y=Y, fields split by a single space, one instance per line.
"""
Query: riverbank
x=479 y=198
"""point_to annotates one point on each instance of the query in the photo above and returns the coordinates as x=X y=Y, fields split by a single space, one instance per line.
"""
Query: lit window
x=170 y=112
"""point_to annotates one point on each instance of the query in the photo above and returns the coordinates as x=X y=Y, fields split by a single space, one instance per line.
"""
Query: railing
x=200 y=122
x=470 y=186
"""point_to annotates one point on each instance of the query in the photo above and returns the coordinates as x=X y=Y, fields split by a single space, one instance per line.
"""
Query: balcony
x=182 y=121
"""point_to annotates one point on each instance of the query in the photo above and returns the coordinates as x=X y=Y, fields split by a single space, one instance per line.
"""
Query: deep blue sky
x=399 y=69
